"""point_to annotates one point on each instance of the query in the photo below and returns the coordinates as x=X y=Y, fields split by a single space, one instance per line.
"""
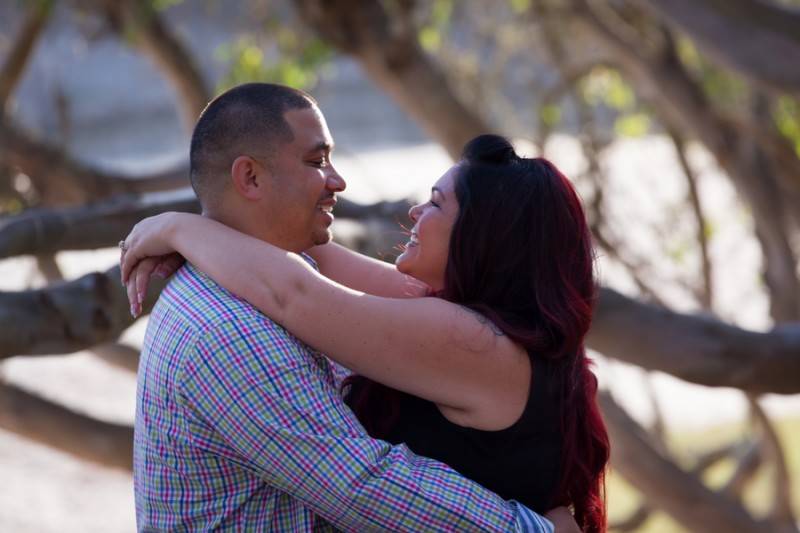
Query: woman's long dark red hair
x=521 y=255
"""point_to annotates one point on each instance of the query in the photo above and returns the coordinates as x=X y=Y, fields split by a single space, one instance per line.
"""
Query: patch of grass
x=623 y=498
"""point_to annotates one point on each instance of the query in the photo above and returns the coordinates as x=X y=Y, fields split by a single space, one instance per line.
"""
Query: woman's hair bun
x=489 y=148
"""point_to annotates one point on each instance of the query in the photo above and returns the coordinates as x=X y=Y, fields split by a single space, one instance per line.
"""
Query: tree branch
x=17 y=58
x=769 y=54
x=98 y=225
x=707 y=459
x=118 y=355
x=682 y=104
x=138 y=23
x=153 y=37
x=48 y=267
x=634 y=521
x=103 y=224
x=706 y=291
x=782 y=499
x=93 y=310
x=61 y=180
x=699 y=349
x=747 y=464
x=393 y=212
x=67 y=317
x=385 y=45
x=56 y=426
x=667 y=487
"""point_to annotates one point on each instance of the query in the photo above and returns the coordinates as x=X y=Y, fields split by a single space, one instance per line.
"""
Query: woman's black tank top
x=520 y=462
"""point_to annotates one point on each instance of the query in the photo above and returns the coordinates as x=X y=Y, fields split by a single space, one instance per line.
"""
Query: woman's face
x=425 y=256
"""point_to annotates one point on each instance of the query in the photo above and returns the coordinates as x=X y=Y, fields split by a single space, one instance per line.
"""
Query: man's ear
x=249 y=177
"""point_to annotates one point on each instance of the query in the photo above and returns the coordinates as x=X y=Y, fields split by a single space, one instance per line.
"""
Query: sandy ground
x=44 y=490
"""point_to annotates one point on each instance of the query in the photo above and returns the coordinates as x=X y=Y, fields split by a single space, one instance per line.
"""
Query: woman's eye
x=320 y=162
x=434 y=204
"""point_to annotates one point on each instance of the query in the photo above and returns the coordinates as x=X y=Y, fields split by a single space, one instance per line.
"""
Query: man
x=239 y=425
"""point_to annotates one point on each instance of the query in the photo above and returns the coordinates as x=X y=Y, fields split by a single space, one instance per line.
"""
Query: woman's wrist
x=173 y=228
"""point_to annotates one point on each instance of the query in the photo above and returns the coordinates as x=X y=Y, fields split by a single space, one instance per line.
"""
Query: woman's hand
x=148 y=251
x=139 y=278
x=149 y=238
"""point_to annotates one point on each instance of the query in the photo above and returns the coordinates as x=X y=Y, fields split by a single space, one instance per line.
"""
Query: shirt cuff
x=310 y=260
x=530 y=522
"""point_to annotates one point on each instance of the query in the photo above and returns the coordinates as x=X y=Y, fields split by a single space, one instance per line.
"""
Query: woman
x=489 y=373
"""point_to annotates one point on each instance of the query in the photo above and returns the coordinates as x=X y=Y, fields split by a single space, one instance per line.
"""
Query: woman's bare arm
x=363 y=273
x=424 y=346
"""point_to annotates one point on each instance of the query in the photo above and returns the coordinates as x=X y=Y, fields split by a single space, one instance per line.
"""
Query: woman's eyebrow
x=437 y=189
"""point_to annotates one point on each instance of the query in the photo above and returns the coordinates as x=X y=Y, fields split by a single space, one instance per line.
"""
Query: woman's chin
x=403 y=263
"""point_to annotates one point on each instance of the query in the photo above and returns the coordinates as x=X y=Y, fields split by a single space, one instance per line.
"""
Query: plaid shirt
x=240 y=426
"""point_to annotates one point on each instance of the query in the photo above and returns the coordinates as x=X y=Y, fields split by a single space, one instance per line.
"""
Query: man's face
x=304 y=183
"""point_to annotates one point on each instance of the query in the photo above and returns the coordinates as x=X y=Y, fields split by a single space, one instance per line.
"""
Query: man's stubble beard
x=322 y=237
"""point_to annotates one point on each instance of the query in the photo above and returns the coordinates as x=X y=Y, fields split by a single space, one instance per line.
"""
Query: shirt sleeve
x=530 y=522
x=258 y=398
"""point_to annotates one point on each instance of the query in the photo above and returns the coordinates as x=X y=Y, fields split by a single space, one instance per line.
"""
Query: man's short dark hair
x=245 y=120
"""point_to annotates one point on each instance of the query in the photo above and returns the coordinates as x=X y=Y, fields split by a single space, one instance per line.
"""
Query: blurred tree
x=599 y=68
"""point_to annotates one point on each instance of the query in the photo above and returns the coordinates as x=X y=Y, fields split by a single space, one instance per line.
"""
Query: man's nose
x=335 y=182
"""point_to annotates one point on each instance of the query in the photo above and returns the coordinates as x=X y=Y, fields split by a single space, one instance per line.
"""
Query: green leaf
x=161 y=5
x=787 y=120
x=297 y=66
x=520 y=6
x=441 y=12
x=10 y=206
x=678 y=251
x=632 y=124
x=710 y=229
x=430 y=38
x=723 y=86
x=550 y=114
x=619 y=94
x=606 y=86
x=688 y=53
x=430 y=35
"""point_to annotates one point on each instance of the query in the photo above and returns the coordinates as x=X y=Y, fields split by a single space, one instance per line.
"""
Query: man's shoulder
x=192 y=294
x=197 y=326
x=213 y=312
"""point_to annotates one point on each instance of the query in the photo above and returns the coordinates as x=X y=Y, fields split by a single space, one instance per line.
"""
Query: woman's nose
x=413 y=213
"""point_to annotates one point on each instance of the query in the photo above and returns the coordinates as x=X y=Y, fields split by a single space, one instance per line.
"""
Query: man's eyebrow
x=322 y=146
